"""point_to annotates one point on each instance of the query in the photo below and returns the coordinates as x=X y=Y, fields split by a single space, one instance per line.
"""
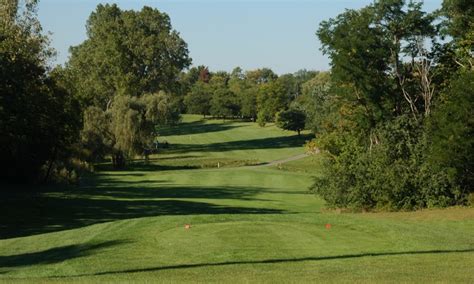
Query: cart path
x=282 y=161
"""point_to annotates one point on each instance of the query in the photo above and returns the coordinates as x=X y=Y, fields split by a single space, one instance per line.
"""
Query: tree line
x=392 y=119
x=257 y=95
x=106 y=101
x=396 y=123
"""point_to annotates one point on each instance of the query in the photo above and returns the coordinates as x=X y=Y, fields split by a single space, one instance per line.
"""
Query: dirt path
x=282 y=161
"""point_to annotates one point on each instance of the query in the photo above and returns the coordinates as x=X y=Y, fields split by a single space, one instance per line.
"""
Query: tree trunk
x=50 y=166
x=118 y=160
x=299 y=132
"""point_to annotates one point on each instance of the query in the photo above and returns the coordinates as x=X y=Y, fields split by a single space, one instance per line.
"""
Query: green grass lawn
x=248 y=224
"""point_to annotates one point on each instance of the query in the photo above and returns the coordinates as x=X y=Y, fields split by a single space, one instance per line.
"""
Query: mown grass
x=197 y=141
x=247 y=224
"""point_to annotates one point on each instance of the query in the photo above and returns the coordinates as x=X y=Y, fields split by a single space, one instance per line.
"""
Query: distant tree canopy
x=292 y=119
x=256 y=94
x=315 y=102
x=198 y=99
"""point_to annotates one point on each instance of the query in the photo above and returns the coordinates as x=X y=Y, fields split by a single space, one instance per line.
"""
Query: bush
x=395 y=174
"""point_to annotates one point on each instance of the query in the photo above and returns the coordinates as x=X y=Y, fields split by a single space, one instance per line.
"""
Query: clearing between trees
x=256 y=224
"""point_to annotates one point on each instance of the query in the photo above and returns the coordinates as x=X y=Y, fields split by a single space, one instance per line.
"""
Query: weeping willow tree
x=127 y=127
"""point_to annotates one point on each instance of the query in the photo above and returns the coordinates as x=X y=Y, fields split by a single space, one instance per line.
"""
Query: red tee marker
x=328 y=226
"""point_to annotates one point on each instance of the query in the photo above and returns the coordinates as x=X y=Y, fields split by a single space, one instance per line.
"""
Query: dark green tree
x=381 y=95
x=38 y=118
x=224 y=103
x=292 y=119
x=198 y=100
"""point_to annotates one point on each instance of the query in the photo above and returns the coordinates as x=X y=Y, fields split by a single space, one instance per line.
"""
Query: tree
x=127 y=127
x=450 y=155
x=245 y=93
x=261 y=76
x=383 y=127
x=224 y=103
x=292 y=119
x=459 y=24
x=38 y=118
x=126 y=53
x=198 y=100
x=271 y=98
x=123 y=74
x=315 y=101
x=204 y=74
x=186 y=81
x=248 y=102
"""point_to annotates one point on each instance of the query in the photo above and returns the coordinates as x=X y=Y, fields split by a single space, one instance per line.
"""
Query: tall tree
x=37 y=116
x=271 y=98
x=127 y=53
x=459 y=24
x=123 y=73
x=385 y=79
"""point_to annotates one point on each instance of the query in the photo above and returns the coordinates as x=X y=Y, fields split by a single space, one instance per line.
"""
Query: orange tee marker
x=328 y=226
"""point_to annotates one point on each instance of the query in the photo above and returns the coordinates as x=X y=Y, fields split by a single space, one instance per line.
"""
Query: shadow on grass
x=253 y=144
x=273 y=261
x=106 y=199
x=55 y=255
x=195 y=127
x=145 y=167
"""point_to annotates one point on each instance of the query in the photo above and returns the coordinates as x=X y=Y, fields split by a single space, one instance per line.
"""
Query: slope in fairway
x=248 y=224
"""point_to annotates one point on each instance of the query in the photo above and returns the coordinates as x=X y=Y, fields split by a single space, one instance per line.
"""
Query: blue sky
x=223 y=34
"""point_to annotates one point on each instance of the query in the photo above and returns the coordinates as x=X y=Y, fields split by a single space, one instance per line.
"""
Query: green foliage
x=271 y=98
x=38 y=117
x=261 y=76
x=459 y=24
x=224 y=103
x=198 y=100
x=460 y=17
x=246 y=93
x=126 y=53
x=292 y=119
x=127 y=127
x=390 y=141
x=256 y=95
x=315 y=101
x=120 y=74
x=262 y=218
x=450 y=158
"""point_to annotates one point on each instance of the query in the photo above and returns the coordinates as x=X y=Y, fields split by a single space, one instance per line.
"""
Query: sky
x=277 y=34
